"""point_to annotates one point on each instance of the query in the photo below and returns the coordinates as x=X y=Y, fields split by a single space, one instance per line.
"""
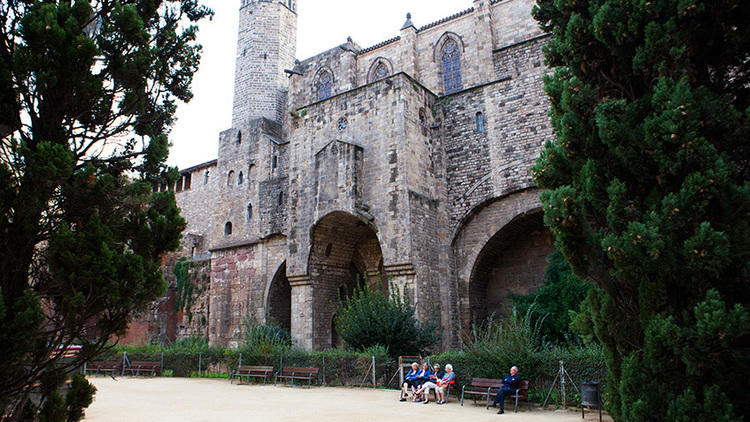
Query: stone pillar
x=302 y=311
x=409 y=49
x=483 y=40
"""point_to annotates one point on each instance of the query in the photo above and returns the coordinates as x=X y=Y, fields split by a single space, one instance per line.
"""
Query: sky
x=321 y=24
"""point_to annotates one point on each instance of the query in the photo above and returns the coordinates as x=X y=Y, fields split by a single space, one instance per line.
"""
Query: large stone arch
x=279 y=300
x=345 y=251
x=500 y=246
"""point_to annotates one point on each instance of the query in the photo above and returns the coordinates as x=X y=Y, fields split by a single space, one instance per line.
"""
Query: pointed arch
x=379 y=69
x=323 y=84
x=447 y=54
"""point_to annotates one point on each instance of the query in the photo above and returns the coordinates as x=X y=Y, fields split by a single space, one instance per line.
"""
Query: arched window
x=228 y=228
x=205 y=179
x=381 y=71
x=480 y=122
x=323 y=86
x=450 y=56
x=240 y=179
x=239 y=137
x=281 y=198
x=249 y=212
x=230 y=177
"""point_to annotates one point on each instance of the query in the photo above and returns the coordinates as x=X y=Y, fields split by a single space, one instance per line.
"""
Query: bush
x=263 y=339
x=369 y=318
x=561 y=293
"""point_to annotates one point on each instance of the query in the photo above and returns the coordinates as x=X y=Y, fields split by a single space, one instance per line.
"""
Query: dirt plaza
x=198 y=400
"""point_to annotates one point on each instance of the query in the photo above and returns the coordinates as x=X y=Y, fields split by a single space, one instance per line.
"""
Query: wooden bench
x=104 y=366
x=147 y=367
x=251 y=371
x=297 y=373
x=522 y=392
x=481 y=387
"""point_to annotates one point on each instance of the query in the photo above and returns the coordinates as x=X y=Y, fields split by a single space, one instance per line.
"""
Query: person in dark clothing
x=409 y=380
x=422 y=377
x=510 y=385
x=436 y=375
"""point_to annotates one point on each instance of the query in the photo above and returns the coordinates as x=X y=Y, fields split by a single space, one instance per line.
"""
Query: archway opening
x=512 y=261
x=345 y=254
x=279 y=302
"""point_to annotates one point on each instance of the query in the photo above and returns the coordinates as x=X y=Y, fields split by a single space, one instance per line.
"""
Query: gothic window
x=281 y=198
x=323 y=85
x=228 y=228
x=450 y=57
x=239 y=137
x=230 y=177
x=480 y=122
x=249 y=212
x=240 y=179
x=381 y=71
x=205 y=180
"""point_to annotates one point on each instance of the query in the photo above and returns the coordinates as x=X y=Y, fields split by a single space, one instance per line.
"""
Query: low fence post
x=200 y=363
x=373 y=371
x=124 y=359
x=162 y=362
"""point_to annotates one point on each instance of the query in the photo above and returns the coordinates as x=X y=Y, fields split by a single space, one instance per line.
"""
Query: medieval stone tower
x=405 y=163
x=266 y=44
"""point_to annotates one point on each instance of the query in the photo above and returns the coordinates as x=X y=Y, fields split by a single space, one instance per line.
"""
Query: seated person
x=510 y=385
x=444 y=384
x=422 y=376
x=409 y=380
x=435 y=376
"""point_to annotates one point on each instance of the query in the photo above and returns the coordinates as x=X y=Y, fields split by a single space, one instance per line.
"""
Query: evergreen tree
x=561 y=293
x=87 y=94
x=647 y=194
x=370 y=318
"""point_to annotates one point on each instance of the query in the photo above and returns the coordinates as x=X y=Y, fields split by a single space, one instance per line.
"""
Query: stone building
x=406 y=162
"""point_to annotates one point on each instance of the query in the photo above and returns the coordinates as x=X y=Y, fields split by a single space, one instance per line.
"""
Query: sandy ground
x=193 y=400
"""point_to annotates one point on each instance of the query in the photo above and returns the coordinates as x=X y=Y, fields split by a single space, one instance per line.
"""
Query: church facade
x=405 y=164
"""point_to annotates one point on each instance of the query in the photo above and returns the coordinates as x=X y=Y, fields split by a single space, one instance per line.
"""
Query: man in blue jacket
x=510 y=385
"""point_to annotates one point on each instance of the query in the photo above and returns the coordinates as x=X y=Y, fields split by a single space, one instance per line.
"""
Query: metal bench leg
x=462 y=398
x=516 y=409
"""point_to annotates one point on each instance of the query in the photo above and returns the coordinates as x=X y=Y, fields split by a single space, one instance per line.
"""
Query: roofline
x=199 y=166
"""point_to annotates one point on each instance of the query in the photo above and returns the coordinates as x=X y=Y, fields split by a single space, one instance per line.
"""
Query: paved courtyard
x=193 y=400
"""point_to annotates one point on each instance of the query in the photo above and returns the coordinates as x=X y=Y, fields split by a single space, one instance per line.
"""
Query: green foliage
x=517 y=340
x=87 y=95
x=265 y=339
x=647 y=194
x=561 y=293
x=192 y=280
x=369 y=318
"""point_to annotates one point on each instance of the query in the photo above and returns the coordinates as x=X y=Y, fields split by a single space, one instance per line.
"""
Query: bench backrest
x=288 y=370
x=486 y=383
x=104 y=364
x=249 y=368
x=145 y=364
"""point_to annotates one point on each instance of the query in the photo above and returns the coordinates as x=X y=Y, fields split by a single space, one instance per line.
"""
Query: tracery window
x=451 y=60
x=381 y=71
x=323 y=86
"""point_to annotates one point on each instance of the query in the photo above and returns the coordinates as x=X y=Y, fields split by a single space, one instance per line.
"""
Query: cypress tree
x=88 y=90
x=647 y=194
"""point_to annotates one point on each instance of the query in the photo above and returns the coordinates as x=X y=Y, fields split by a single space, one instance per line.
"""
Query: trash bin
x=591 y=397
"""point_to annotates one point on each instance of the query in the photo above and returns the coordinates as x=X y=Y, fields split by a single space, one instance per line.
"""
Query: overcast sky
x=321 y=24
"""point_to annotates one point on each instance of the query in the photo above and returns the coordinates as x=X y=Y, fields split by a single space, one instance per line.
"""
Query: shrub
x=561 y=293
x=370 y=318
x=263 y=339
